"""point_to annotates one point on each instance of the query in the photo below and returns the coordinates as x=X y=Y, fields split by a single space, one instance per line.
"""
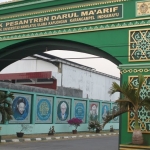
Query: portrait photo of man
x=20 y=108
x=62 y=111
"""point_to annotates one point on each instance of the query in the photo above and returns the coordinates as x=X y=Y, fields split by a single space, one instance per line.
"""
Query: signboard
x=44 y=109
x=80 y=110
x=61 y=19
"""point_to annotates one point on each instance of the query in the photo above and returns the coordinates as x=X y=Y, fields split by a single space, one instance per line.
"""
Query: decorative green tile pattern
x=140 y=45
x=144 y=116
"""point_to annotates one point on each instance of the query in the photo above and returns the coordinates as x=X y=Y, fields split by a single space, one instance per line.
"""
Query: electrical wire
x=69 y=58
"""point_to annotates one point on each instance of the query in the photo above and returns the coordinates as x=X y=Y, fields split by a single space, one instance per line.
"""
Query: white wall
x=29 y=66
x=94 y=86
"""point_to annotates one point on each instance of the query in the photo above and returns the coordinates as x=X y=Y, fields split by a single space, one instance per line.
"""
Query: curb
x=56 y=138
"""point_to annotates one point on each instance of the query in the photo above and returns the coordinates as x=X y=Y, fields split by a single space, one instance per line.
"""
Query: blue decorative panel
x=63 y=110
x=44 y=109
x=114 y=109
x=80 y=109
x=21 y=107
x=94 y=111
x=105 y=110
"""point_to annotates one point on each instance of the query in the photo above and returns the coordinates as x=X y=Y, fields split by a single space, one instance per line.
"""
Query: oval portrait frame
x=59 y=111
x=15 y=109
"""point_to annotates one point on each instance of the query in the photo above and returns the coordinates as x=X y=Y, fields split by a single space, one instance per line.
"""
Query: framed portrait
x=63 y=110
x=44 y=110
x=80 y=110
x=94 y=111
x=114 y=109
x=105 y=110
x=21 y=107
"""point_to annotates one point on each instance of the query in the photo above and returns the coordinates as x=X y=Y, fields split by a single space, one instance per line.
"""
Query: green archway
x=115 y=29
x=26 y=48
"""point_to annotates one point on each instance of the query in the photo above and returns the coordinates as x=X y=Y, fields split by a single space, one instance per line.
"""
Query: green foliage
x=130 y=100
x=52 y=130
x=93 y=118
x=26 y=127
x=94 y=125
x=6 y=106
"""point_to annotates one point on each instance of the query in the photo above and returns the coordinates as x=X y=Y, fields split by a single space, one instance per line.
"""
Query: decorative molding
x=75 y=29
x=60 y=8
x=124 y=71
x=134 y=68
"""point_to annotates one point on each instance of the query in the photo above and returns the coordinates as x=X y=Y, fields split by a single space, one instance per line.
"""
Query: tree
x=6 y=106
x=130 y=101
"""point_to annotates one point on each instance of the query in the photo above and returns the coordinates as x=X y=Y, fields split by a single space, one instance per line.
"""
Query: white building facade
x=95 y=85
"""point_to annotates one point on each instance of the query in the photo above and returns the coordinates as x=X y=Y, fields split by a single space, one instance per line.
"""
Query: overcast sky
x=5 y=0
x=99 y=64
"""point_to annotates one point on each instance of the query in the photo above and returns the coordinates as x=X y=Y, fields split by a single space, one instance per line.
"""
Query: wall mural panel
x=94 y=111
x=144 y=116
x=44 y=109
x=80 y=110
x=21 y=107
x=114 y=109
x=105 y=110
x=63 y=110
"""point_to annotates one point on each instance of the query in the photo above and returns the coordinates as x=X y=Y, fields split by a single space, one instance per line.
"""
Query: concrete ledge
x=56 y=138
x=134 y=147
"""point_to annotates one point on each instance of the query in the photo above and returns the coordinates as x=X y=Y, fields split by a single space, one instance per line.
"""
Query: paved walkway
x=57 y=136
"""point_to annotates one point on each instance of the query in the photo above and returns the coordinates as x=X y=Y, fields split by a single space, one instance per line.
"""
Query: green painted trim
x=25 y=4
x=133 y=66
x=54 y=110
x=33 y=108
x=72 y=115
x=87 y=111
x=6 y=122
x=70 y=4
x=100 y=112
x=110 y=110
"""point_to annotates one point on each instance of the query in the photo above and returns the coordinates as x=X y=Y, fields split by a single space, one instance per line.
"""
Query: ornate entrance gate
x=117 y=30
